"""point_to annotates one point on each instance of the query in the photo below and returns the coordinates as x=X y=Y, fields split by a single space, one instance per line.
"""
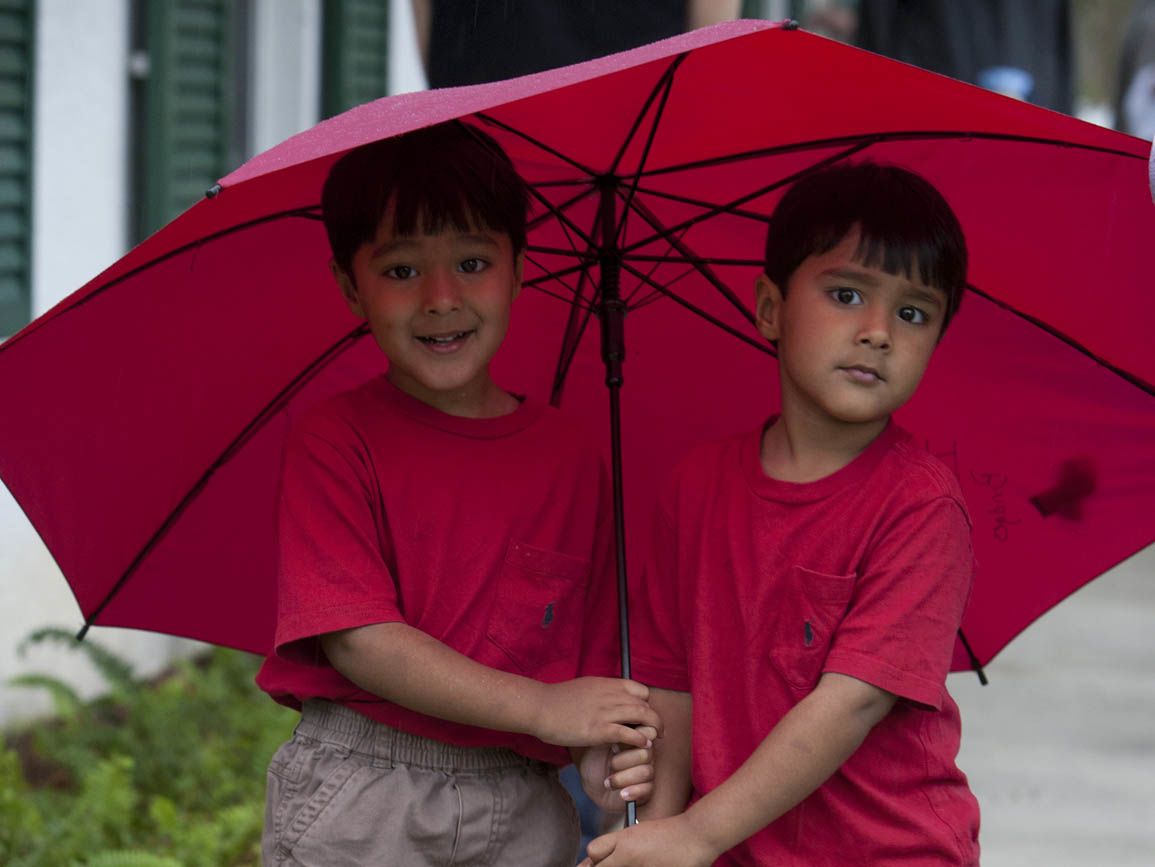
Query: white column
x=80 y=155
x=286 y=69
x=404 y=58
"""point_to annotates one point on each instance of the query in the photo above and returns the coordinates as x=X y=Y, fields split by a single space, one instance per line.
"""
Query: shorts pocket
x=302 y=772
x=539 y=606
x=808 y=612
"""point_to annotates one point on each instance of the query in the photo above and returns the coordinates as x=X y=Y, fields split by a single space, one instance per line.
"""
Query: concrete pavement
x=1060 y=747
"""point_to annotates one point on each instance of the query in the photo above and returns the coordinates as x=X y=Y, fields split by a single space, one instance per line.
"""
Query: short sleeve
x=330 y=572
x=908 y=602
x=658 y=634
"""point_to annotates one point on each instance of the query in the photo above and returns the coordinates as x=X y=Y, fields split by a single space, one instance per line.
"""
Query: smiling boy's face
x=853 y=341
x=438 y=306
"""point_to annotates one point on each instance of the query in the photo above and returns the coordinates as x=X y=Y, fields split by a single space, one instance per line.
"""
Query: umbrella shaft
x=619 y=526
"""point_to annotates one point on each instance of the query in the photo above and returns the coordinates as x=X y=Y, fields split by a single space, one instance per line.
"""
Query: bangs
x=450 y=176
x=922 y=256
x=435 y=199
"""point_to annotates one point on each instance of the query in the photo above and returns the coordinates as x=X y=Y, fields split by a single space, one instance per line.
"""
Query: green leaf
x=65 y=699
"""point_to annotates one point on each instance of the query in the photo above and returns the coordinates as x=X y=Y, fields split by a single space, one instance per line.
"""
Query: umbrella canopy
x=144 y=414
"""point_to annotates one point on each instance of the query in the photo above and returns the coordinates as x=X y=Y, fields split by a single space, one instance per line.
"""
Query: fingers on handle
x=622 y=734
x=639 y=690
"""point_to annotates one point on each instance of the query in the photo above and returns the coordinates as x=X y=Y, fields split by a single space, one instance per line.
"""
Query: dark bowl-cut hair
x=447 y=176
x=903 y=221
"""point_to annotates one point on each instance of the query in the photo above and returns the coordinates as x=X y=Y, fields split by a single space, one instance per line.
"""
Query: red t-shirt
x=758 y=586
x=491 y=535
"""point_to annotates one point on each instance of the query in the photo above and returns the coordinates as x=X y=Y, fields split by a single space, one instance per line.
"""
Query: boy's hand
x=591 y=711
x=660 y=843
x=612 y=775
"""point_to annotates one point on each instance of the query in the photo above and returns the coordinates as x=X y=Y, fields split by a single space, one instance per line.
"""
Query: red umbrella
x=143 y=415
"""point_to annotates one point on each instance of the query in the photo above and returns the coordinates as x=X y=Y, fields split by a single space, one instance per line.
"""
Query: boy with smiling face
x=809 y=578
x=443 y=553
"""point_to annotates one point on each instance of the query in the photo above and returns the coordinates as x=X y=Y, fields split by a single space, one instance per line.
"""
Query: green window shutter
x=17 y=19
x=355 y=39
x=190 y=114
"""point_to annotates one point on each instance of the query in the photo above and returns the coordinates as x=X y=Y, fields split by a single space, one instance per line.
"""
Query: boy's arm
x=672 y=784
x=408 y=667
x=799 y=754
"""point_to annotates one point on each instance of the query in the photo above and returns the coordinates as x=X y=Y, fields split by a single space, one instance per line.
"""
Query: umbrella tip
x=790 y=24
x=213 y=191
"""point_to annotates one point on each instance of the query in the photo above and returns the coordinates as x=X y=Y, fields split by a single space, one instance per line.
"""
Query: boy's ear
x=518 y=271
x=348 y=288
x=767 y=307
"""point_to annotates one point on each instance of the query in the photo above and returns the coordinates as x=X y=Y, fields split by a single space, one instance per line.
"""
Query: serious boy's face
x=853 y=341
x=438 y=306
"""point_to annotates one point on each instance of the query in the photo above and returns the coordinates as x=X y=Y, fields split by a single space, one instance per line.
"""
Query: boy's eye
x=400 y=272
x=846 y=296
x=473 y=265
x=912 y=315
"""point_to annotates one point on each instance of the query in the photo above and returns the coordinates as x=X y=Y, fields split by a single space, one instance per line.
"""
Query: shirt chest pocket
x=805 y=615
x=539 y=607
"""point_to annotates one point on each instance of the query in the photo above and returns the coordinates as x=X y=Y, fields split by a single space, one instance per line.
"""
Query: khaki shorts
x=349 y=791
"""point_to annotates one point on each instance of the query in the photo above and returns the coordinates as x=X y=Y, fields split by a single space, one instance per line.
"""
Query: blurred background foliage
x=165 y=772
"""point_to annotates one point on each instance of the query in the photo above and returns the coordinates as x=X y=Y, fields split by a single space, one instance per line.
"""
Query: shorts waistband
x=340 y=725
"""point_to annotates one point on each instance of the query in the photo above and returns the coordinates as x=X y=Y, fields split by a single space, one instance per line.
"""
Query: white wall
x=405 y=72
x=80 y=185
x=286 y=69
x=79 y=162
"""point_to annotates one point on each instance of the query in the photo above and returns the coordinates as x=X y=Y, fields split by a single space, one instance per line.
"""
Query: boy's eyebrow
x=927 y=296
x=405 y=242
x=862 y=275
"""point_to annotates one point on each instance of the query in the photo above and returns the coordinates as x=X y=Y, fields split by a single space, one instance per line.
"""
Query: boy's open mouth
x=445 y=340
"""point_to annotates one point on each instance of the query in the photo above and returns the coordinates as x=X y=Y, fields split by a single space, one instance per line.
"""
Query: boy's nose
x=875 y=333
x=441 y=295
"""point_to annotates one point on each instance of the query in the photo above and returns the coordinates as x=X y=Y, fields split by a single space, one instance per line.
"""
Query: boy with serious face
x=443 y=553
x=809 y=578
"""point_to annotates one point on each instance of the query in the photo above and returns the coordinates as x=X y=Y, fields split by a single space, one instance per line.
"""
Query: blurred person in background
x=1022 y=48
x=1135 y=100
x=473 y=41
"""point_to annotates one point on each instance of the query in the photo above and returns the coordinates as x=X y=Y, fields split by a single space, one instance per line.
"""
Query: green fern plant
x=116 y=671
x=171 y=769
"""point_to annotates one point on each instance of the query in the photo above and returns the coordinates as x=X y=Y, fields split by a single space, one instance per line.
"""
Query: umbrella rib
x=574 y=331
x=554 y=152
x=574 y=298
x=974 y=660
x=668 y=78
x=719 y=209
x=713 y=320
x=670 y=236
x=257 y=422
x=662 y=86
x=1134 y=380
x=36 y=324
x=651 y=297
x=564 y=272
x=554 y=210
x=876 y=138
x=692 y=259
x=562 y=218
x=653 y=257
x=686 y=200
